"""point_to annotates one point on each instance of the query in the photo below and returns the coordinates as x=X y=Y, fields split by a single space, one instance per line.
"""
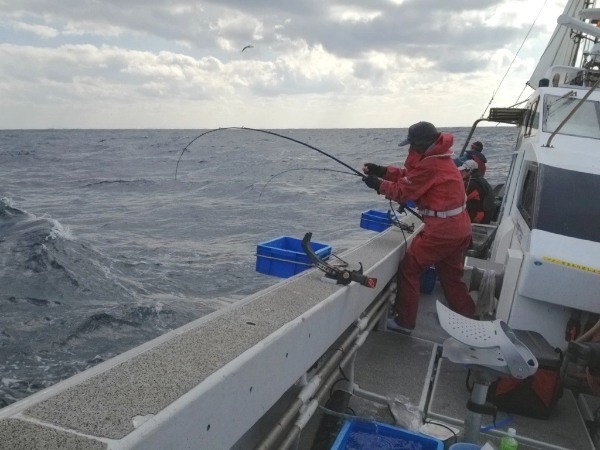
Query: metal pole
x=473 y=419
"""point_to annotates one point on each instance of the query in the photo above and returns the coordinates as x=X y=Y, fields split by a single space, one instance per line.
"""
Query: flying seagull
x=248 y=46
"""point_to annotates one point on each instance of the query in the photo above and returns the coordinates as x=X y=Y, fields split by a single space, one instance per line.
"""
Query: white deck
x=400 y=365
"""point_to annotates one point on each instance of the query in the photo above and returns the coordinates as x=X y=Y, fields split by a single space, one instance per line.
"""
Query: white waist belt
x=443 y=214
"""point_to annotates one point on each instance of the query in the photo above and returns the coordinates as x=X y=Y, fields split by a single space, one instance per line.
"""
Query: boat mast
x=563 y=48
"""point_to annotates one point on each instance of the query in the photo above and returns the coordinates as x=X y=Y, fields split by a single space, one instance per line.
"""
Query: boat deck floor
x=400 y=368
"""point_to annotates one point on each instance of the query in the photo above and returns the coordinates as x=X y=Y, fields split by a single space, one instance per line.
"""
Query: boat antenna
x=512 y=62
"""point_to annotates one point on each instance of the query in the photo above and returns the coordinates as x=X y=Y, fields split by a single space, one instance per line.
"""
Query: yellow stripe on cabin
x=571 y=265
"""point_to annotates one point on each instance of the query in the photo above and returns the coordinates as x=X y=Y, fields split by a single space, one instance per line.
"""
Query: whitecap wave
x=60 y=231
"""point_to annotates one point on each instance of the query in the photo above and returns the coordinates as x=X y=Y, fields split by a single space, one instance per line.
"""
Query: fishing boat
x=299 y=364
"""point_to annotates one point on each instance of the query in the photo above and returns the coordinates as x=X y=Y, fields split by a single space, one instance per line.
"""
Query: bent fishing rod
x=272 y=133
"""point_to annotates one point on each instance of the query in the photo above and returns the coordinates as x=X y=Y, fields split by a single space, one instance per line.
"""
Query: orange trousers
x=447 y=255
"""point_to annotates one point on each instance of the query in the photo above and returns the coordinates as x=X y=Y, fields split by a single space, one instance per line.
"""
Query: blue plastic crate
x=357 y=435
x=375 y=220
x=284 y=256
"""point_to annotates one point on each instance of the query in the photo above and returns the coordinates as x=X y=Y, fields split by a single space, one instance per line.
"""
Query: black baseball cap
x=420 y=133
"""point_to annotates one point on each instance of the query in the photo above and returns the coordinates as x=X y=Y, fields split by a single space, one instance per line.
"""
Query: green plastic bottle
x=509 y=442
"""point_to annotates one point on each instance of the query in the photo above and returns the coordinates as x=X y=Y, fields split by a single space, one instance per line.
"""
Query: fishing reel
x=340 y=275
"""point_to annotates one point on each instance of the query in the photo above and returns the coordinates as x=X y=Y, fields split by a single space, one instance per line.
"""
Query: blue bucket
x=465 y=446
x=428 y=280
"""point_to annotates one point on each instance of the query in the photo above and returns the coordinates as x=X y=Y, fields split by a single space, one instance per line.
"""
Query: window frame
x=526 y=203
x=533 y=118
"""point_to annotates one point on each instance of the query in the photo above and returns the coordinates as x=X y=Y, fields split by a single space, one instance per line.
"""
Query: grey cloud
x=145 y=52
x=462 y=63
x=368 y=71
x=401 y=31
x=84 y=72
x=421 y=28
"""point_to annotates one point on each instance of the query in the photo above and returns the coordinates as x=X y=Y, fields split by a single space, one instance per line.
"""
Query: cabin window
x=558 y=201
x=585 y=122
x=527 y=198
x=567 y=203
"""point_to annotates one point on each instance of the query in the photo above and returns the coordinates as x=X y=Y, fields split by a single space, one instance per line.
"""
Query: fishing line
x=398 y=220
x=273 y=134
x=192 y=141
x=514 y=59
x=302 y=168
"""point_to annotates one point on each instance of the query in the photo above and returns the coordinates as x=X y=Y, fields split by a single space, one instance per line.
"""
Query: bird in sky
x=248 y=46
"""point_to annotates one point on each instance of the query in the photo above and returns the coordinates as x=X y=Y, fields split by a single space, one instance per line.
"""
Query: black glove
x=373 y=182
x=374 y=169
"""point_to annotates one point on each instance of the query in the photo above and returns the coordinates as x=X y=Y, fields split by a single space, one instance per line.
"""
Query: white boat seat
x=487 y=344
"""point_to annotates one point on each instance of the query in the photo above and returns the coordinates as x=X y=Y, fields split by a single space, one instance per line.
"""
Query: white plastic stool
x=490 y=349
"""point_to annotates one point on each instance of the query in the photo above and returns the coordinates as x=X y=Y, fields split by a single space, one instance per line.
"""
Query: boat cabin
x=548 y=234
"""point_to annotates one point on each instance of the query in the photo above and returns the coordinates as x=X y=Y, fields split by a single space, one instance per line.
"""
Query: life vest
x=481 y=204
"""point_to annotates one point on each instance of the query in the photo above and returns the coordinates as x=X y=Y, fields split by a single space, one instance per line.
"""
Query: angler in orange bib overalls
x=431 y=180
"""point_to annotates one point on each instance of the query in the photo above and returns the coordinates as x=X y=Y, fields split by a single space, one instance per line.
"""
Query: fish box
x=375 y=220
x=374 y=435
x=284 y=256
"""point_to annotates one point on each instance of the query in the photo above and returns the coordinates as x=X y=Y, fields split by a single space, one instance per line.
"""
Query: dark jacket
x=476 y=156
x=480 y=200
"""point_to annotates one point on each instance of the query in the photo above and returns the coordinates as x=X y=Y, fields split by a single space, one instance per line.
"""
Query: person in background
x=480 y=196
x=476 y=154
x=430 y=179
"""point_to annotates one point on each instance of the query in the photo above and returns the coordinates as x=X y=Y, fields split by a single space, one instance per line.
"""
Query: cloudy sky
x=313 y=64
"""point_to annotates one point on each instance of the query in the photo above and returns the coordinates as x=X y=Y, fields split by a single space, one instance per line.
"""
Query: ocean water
x=102 y=248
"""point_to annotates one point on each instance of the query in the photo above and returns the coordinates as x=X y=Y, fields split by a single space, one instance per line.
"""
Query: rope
x=512 y=62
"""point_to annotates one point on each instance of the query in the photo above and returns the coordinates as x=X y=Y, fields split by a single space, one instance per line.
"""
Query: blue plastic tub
x=380 y=436
x=284 y=256
x=428 y=280
x=465 y=446
x=375 y=220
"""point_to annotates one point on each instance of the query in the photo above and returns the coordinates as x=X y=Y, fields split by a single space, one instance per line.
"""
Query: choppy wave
x=53 y=287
